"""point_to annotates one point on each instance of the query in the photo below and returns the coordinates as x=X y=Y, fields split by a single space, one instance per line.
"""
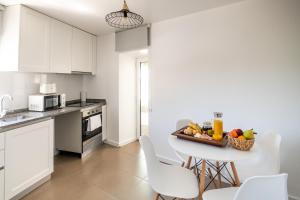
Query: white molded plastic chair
x=180 y=124
x=255 y=188
x=268 y=163
x=168 y=180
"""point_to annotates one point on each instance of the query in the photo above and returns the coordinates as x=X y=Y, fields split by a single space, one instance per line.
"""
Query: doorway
x=143 y=73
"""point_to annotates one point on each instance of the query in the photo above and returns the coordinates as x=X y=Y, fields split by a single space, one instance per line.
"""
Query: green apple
x=249 y=134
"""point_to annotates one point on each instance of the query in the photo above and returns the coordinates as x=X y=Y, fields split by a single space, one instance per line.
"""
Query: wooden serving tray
x=222 y=143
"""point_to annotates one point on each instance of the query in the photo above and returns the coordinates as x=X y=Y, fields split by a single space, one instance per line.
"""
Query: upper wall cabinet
x=25 y=40
x=81 y=51
x=33 y=42
x=60 y=47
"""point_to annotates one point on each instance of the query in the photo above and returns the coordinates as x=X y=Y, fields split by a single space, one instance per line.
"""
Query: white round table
x=212 y=153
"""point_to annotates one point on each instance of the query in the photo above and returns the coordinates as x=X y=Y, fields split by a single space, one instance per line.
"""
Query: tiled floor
x=109 y=173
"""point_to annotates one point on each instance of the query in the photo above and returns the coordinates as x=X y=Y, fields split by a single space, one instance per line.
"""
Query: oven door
x=51 y=102
x=86 y=133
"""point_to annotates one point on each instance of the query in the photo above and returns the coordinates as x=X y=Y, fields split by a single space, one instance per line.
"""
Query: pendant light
x=124 y=19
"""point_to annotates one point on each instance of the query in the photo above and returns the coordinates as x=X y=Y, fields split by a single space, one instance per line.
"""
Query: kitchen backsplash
x=20 y=85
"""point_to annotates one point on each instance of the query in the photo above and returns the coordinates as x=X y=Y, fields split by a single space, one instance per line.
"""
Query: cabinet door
x=94 y=55
x=60 y=47
x=34 y=41
x=81 y=51
x=2 y=184
x=28 y=156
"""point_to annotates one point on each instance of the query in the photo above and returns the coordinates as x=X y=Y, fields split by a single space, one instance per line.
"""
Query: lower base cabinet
x=28 y=156
x=2 y=184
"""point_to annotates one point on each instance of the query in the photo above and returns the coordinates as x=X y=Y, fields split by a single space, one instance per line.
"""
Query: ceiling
x=89 y=14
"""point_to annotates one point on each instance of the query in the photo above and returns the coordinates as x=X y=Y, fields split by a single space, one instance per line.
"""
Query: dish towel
x=94 y=122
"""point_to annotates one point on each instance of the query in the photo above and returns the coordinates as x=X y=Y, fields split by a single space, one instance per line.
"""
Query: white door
x=60 y=47
x=81 y=51
x=143 y=87
x=1 y=184
x=34 y=41
x=28 y=156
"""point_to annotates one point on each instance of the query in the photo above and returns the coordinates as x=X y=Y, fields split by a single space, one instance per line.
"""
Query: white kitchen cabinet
x=1 y=141
x=94 y=55
x=60 y=47
x=81 y=51
x=28 y=156
x=34 y=41
x=25 y=40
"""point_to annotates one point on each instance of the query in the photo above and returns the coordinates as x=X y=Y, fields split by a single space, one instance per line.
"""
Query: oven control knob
x=89 y=113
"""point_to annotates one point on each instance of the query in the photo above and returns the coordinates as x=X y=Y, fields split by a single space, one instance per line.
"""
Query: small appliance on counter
x=47 y=88
x=46 y=102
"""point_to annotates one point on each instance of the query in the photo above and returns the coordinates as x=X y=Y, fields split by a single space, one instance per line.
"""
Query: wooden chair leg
x=182 y=165
x=188 y=164
x=235 y=174
x=156 y=196
x=219 y=175
x=202 y=179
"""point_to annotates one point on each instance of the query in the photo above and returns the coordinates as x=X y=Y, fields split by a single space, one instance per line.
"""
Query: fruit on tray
x=195 y=130
x=195 y=126
x=210 y=132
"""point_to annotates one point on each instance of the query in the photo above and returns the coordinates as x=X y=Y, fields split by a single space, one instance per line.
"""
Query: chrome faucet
x=2 y=110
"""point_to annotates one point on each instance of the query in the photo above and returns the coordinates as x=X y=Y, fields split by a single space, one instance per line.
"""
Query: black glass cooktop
x=81 y=104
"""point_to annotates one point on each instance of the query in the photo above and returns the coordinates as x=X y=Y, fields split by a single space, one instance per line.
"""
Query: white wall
x=127 y=99
x=243 y=60
x=20 y=85
x=105 y=84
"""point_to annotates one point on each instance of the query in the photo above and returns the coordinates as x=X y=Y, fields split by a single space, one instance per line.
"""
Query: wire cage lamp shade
x=124 y=19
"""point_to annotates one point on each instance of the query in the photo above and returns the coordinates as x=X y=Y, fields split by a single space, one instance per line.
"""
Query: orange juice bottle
x=218 y=125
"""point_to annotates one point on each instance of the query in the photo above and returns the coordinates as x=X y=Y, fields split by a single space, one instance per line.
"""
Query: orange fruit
x=233 y=133
x=241 y=137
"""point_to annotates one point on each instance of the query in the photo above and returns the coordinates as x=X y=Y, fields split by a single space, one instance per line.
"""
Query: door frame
x=138 y=93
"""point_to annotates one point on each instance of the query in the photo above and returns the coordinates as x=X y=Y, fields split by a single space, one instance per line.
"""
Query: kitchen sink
x=18 y=118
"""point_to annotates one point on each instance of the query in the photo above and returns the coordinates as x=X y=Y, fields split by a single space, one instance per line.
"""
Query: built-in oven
x=91 y=128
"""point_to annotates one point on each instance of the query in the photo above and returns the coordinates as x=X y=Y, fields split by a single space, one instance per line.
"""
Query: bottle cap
x=218 y=114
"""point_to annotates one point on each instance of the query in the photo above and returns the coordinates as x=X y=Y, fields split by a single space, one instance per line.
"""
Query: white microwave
x=46 y=102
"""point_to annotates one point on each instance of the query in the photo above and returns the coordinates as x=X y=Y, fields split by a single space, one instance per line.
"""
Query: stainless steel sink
x=18 y=118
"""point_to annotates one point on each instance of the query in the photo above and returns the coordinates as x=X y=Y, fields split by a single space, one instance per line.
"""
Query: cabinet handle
x=1 y=168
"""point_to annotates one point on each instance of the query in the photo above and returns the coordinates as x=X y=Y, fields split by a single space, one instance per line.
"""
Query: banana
x=195 y=126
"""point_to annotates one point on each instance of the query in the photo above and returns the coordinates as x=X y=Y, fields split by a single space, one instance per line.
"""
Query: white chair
x=183 y=158
x=255 y=188
x=268 y=163
x=168 y=180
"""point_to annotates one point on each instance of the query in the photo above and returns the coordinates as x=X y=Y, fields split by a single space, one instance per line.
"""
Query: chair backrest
x=271 y=147
x=153 y=164
x=182 y=123
x=263 y=188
